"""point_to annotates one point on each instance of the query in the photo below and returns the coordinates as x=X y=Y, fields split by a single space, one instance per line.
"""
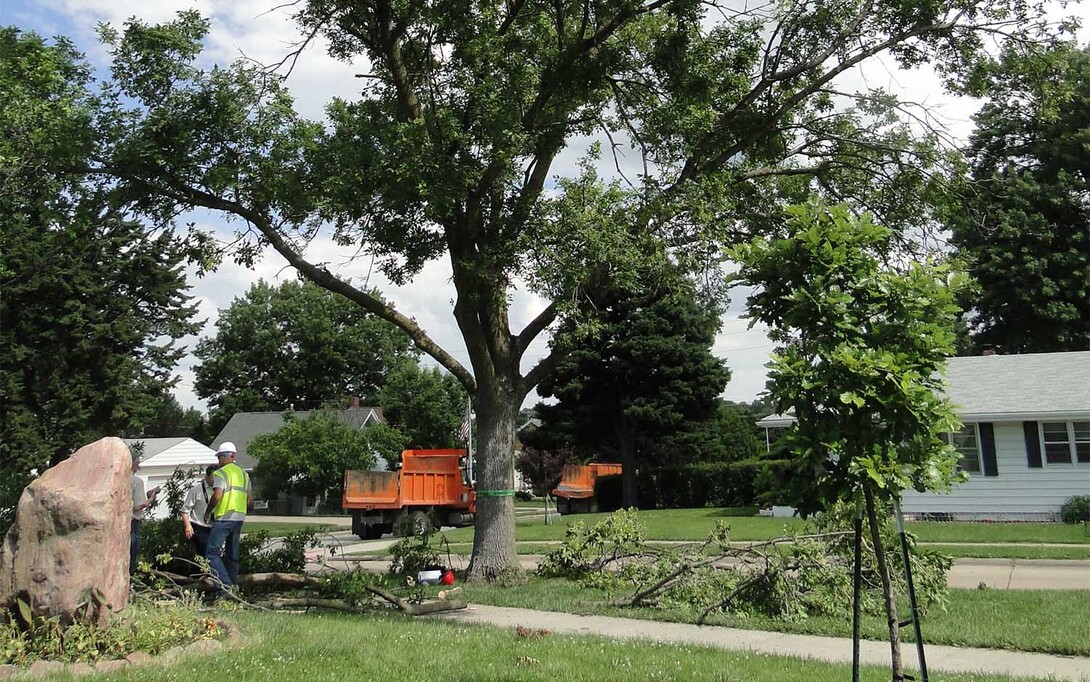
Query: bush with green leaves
x=586 y=551
x=256 y=555
x=419 y=551
x=1076 y=509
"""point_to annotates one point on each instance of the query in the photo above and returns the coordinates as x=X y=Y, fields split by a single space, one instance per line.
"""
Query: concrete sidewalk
x=831 y=649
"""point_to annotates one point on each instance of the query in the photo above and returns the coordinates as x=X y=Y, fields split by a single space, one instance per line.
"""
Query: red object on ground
x=448 y=578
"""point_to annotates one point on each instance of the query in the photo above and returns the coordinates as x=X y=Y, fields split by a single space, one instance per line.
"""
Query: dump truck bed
x=427 y=478
x=577 y=480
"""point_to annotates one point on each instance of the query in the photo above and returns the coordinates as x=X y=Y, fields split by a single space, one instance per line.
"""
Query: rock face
x=71 y=534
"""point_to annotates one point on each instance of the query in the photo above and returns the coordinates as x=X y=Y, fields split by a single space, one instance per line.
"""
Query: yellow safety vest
x=234 y=483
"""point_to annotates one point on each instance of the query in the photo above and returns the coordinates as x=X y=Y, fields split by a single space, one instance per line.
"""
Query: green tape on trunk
x=496 y=493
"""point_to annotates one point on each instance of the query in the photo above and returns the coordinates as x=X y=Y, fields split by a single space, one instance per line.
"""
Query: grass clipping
x=792 y=577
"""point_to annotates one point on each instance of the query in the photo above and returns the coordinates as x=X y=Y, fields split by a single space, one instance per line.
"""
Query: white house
x=1025 y=443
x=162 y=456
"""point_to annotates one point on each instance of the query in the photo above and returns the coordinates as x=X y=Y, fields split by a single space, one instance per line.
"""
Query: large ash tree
x=451 y=145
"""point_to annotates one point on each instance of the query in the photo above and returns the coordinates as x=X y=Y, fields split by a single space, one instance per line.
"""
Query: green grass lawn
x=293 y=647
x=696 y=524
x=1012 y=551
x=1045 y=621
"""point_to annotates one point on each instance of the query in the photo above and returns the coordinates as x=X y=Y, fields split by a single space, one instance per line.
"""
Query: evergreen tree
x=646 y=373
x=1022 y=220
x=90 y=301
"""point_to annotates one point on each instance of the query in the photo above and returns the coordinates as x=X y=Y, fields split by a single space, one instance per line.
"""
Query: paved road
x=832 y=649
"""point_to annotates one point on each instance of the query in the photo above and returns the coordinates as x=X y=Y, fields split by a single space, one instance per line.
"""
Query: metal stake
x=911 y=588
x=857 y=585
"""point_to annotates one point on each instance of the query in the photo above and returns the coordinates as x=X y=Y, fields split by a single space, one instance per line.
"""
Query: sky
x=262 y=30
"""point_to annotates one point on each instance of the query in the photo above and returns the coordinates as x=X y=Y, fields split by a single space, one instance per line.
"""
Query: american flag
x=463 y=430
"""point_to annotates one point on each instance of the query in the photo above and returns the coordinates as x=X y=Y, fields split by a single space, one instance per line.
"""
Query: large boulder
x=71 y=536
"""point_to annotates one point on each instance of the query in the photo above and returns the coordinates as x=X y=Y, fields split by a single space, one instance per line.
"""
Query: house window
x=1066 y=442
x=966 y=442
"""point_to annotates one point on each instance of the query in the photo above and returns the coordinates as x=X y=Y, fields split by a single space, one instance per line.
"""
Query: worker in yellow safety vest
x=232 y=495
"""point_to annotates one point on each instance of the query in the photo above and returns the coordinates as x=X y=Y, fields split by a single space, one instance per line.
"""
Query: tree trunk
x=896 y=664
x=494 y=536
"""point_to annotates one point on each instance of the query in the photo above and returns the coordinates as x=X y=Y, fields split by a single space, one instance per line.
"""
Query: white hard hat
x=226 y=448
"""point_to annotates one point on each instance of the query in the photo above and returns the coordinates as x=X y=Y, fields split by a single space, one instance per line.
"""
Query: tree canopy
x=309 y=456
x=1022 y=219
x=425 y=404
x=295 y=346
x=451 y=148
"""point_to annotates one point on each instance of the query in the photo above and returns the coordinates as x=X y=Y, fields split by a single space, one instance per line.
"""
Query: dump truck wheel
x=420 y=523
x=371 y=532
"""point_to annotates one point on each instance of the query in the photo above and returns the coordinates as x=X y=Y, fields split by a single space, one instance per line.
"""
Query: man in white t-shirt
x=141 y=500
x=194 y=509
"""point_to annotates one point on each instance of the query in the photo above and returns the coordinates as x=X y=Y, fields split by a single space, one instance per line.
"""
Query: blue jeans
x=223 y=551
x=134 y=545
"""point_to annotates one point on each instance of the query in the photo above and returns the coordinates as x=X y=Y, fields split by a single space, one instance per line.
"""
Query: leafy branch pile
x=26 y=637
x=793 y=577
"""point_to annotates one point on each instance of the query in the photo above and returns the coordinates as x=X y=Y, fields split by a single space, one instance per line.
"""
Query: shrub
x=744 y=483
x=288 y=557
x=1076 y=509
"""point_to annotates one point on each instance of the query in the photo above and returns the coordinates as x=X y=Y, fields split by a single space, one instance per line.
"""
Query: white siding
x=1018 y=492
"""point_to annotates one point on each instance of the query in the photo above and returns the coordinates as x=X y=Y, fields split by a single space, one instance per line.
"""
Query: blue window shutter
x=1033 y=445
x=987 y=448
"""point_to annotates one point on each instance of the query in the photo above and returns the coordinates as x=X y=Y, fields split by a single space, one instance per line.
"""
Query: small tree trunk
x=896 y=664
x=630 y=496
x=494 y=534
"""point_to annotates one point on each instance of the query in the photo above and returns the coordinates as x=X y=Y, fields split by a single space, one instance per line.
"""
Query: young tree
x=1021 y=219
x=425 y=404
x=297 y=346
x=543 y=468
x=646 y=372
x=309 y=456
x=463 y=112
x=863 y=348
x=91 y=302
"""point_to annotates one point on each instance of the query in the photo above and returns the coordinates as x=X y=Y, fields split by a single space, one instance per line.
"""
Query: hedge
x=749 y=482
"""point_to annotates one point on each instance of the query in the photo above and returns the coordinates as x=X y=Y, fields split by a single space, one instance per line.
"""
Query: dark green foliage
x=1021 y=219
x=309 y=456
x=90 y=301
x=745 y=483
x=418 y=551
x=289 y=555
x=647 y=372
x=295 y=346
x=1076 y=509
x=425 y=404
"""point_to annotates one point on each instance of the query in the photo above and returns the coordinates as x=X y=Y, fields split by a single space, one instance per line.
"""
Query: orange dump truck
x=430 y=488
x=575 y=493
